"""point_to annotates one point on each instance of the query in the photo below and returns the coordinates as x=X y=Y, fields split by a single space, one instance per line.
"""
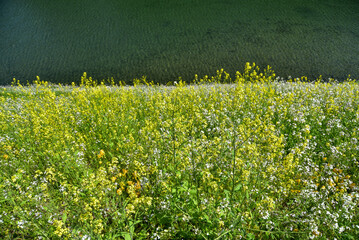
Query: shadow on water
x=59 y=40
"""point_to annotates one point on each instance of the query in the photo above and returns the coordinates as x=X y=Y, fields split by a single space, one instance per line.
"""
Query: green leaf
x=64 y=217
x=227 y=193
x=132 y=228
x=238 y=187
x=207 y=218
x=126 y=235
x=193 y=192
x=250 y=236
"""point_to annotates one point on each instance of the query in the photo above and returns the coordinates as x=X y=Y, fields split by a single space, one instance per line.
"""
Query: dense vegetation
x=260 y=158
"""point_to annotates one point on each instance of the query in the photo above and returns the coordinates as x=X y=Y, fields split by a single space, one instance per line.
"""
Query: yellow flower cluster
x=207 y=160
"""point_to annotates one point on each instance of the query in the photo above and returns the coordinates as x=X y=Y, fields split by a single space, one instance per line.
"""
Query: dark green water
x=165 y=39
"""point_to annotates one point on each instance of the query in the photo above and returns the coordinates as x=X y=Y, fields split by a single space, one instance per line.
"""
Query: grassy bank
x=255 y=159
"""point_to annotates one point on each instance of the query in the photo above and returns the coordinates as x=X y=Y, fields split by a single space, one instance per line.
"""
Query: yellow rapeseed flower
x=130 y=208
x=119 y=191
x=221 y=223
x=14 y=178
x=138 y=185
x=101 y=154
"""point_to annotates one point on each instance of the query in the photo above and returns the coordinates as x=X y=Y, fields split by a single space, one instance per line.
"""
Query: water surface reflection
x=59 y=40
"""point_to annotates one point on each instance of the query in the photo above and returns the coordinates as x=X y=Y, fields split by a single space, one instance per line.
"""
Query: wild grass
x=257 y=159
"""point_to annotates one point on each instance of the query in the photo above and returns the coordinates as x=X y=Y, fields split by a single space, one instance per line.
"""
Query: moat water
x=165 y=39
